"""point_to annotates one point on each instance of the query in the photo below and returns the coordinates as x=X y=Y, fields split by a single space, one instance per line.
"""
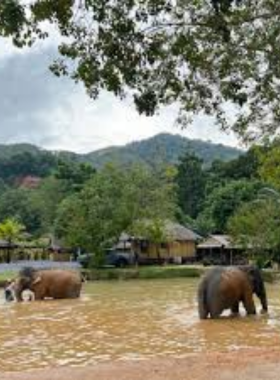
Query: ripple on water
x=125 y=321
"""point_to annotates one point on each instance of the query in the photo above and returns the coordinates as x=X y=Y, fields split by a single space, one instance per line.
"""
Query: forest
x=50 y=194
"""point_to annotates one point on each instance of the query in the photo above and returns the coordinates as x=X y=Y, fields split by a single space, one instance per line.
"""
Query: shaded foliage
x=19 y=204
x=191 y=183
x=222 y=203
x=110 y=203
x=256 y=226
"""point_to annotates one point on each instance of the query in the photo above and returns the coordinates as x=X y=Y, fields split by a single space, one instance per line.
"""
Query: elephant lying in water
x=56 y=284
x=224 y=287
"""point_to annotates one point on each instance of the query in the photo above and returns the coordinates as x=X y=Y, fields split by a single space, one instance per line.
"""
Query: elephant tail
x=202 y=300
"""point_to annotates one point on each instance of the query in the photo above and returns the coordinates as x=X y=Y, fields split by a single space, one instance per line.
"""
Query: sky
x=54 y=113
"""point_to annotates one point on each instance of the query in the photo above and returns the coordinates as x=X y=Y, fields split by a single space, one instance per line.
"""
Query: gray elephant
x=56 y=284
x=225 y=287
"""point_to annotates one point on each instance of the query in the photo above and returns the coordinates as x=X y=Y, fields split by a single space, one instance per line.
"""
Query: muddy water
x=125 y=320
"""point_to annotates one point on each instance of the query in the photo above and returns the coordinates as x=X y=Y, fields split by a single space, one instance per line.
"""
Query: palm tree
x=11 y=230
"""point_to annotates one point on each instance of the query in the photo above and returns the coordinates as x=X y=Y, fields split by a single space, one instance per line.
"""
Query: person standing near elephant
x=224 y=288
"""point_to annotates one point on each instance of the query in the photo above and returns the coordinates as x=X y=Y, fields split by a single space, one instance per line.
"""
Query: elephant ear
x=254 y=275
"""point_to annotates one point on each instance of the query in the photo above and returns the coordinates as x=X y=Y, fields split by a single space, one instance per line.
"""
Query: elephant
x=46 y=283
x=223 y=288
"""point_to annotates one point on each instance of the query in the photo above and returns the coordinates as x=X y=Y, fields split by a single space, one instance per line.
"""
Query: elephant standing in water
x=224 y=287
x=56 y=284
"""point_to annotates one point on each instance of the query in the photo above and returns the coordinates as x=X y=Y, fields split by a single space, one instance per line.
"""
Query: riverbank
x=159 y=272
x=145 y=273
x=255 y=364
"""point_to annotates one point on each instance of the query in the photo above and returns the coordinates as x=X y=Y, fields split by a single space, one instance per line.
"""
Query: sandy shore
x=242 y=365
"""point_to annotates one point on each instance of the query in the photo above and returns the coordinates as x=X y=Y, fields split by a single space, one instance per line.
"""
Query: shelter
x=179 y=245
x=220 y=250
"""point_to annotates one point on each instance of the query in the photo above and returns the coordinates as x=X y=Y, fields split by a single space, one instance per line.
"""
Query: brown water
x=125 y=320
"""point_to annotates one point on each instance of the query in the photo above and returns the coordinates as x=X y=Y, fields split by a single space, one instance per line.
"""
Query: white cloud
x=39 y=108
x=85 y=125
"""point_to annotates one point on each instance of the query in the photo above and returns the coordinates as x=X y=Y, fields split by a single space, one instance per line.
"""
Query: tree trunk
x=158 y=253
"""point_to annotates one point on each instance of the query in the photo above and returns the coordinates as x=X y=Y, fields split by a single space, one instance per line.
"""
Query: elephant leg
x=235 y=308
x=203 y=311
x=249 y=304
x=216 y=309
x=215 y=314
x=38 y=297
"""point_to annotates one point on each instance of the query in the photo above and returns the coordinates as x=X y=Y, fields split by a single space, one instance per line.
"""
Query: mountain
x=9 y=150
x=25 y=159
x=162 y=148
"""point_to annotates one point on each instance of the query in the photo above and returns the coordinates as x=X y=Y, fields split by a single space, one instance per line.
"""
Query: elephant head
x=9 y=290
x=256 y=280
x=26 y=279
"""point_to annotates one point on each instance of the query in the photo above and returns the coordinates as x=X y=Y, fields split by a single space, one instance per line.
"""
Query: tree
x=26 y=163
x=47 y=197
x=222 y=203
x=246 y=166
x=200 y=54
x=11 y=230
x=19 y=204
x=256 y=227
x=110 y=203
x=75 y=174
x=270 y=165
x=153 y=230
x=191 y=182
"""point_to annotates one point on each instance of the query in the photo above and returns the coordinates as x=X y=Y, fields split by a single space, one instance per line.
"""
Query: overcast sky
x=54 y=113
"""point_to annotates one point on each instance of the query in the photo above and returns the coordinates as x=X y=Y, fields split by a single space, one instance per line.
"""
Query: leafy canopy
x=223 y=202
x=112 y=202
x=11 y=230
x=200 y=54
x=191 y=182
x=256 y=227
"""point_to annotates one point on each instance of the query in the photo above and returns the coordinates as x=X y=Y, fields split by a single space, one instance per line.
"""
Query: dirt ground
x=241 y=365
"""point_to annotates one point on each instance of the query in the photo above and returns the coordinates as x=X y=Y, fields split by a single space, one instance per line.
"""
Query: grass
x=7 y=275
x=4 y=276
x=158 y=272
x=145 y=272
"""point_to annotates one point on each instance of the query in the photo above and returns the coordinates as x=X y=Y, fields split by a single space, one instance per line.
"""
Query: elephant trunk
x=259 y=289
x=257 y=282
x=18 y=295
x=262 y=297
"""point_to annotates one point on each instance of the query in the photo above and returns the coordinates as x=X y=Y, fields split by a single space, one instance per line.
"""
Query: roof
x=216 y=241
x=5 y=244
x=178 y=232
x=174 y=231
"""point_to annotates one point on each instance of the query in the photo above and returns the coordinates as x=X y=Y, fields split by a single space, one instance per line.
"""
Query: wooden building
x=6 y=251
x=220 y=250
x=178 y=247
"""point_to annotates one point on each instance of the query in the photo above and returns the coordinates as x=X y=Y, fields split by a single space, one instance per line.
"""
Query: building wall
x=174 y=249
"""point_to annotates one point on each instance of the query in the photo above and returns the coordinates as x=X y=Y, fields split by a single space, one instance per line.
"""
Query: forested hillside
x=19 y=160
x=162 y=149
x=88 y=204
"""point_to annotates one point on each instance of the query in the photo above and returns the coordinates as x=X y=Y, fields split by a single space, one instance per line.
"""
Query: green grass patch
x=158 y=272
x=145 y=272
x=7 y=275
x=4 y=276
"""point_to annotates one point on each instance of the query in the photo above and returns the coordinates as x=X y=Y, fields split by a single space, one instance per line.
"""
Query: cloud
x=54 y=113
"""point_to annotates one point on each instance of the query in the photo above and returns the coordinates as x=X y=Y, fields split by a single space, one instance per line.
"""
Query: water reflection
x=125 y=320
